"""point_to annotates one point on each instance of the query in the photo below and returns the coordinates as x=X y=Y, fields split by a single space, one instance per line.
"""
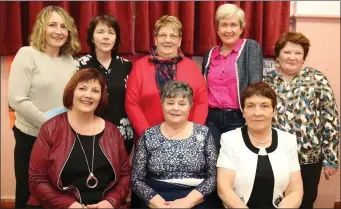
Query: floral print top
x=116 y=78
x=306 y=107
x=160 y=158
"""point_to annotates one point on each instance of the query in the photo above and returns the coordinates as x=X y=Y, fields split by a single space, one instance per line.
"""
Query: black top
x=263 y=186
x=76 y=170
x=116 y=77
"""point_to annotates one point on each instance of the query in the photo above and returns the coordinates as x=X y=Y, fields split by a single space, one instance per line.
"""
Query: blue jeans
x=222 y=120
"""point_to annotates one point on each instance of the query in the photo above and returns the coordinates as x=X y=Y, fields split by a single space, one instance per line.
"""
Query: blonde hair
x=37 y=38
x=168 y=20
x=228 y=10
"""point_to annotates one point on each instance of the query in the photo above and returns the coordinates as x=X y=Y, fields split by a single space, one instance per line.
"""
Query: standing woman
x=39 y=73
x=165 y=63
x=306 y=107
x=103 y=40
x=228 y=69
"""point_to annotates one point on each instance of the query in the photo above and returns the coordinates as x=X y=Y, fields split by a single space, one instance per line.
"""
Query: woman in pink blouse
x=228 y=69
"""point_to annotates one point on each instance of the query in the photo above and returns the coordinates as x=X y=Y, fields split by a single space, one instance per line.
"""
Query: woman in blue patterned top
x=307 y=108
x=174 y=162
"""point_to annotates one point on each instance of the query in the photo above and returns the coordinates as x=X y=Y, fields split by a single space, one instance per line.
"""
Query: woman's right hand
x=76 y=205
x=157 y=202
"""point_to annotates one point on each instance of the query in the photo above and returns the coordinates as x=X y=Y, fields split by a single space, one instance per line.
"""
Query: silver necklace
x=222 y=61
x=91 y=173
x=228 y=57
x=259 y=142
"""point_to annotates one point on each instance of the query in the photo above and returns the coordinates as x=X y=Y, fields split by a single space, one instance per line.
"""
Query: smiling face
x=176 y=110
x=104 y=38
x=167 y=42
x=87 y=96
x=56 y=33
x=258 y=113
x=229 y=30
x=291 y=59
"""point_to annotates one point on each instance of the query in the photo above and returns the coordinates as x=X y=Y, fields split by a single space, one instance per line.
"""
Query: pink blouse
x=222 y=79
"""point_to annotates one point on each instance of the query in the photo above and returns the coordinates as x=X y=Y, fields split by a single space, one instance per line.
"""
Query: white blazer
x=237 y=156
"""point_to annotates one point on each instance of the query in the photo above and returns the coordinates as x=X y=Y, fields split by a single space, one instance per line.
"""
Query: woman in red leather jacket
x=79 y=159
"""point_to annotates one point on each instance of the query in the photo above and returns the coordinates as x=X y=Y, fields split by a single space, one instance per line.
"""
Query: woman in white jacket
x=258 y=165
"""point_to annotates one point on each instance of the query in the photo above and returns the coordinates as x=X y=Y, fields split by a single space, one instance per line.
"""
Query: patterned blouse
x=160 y=158
x=306 y=107
x=116 y=77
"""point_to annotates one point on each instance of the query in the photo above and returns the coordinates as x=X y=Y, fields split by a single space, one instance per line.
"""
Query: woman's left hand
x=102 y=204
x=329 y=171
x=179 y=203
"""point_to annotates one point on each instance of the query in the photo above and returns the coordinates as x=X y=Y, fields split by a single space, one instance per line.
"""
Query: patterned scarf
x=165 y=68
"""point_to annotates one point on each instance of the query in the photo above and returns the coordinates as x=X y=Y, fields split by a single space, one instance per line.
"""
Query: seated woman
x=79 y=159
x=258 y=165
x=174 y=162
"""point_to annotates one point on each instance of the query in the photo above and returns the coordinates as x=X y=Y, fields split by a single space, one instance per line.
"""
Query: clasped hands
x=159 y=202
x=102 y=204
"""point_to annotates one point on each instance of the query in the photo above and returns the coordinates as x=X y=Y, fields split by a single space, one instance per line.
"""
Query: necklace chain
x=253 y=138
x=93 y=154
x=222 y=61
x=91 y=174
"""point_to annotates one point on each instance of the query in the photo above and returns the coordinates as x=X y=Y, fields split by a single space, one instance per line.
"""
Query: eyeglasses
x=164 y=36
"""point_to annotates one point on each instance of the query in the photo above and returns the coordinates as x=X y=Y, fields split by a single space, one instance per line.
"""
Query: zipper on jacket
x=112 y=169
x=68 y=188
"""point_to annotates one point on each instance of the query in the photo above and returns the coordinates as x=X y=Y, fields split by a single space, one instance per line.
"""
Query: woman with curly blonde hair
x=39 y=73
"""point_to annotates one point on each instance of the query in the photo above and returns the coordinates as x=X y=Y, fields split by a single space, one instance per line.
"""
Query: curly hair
x=168 y=20
x=38 y=39
x=174 y=89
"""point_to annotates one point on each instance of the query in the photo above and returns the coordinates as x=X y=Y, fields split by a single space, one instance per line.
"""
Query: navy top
x=160 y=158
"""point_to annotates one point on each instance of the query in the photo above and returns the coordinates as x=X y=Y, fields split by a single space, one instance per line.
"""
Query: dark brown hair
x=81 y=76
x=112 y=23
x=293 y=37
x=259 y=89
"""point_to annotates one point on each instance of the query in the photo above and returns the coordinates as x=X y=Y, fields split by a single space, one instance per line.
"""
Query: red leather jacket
x=50 y=154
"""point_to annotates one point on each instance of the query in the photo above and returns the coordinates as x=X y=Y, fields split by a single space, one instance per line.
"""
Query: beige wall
x=7 y=140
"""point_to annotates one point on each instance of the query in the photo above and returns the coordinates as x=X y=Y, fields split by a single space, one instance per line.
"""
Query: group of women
x=175 y=135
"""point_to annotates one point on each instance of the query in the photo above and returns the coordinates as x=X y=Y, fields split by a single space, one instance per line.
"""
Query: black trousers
x=22 y=152
x=222 y=120
x=311 y=178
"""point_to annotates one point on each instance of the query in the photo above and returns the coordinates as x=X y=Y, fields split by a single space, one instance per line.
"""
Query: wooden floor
x=7 y=204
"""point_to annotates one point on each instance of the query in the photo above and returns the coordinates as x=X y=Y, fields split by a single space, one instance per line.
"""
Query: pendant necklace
x=91 y=172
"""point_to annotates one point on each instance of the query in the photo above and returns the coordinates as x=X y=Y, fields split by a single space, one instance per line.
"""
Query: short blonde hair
x=37 y=38
x=168 y=20
x=228 y=10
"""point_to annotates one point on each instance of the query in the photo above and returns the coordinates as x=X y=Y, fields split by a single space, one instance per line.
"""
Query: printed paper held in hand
x=51 y=113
